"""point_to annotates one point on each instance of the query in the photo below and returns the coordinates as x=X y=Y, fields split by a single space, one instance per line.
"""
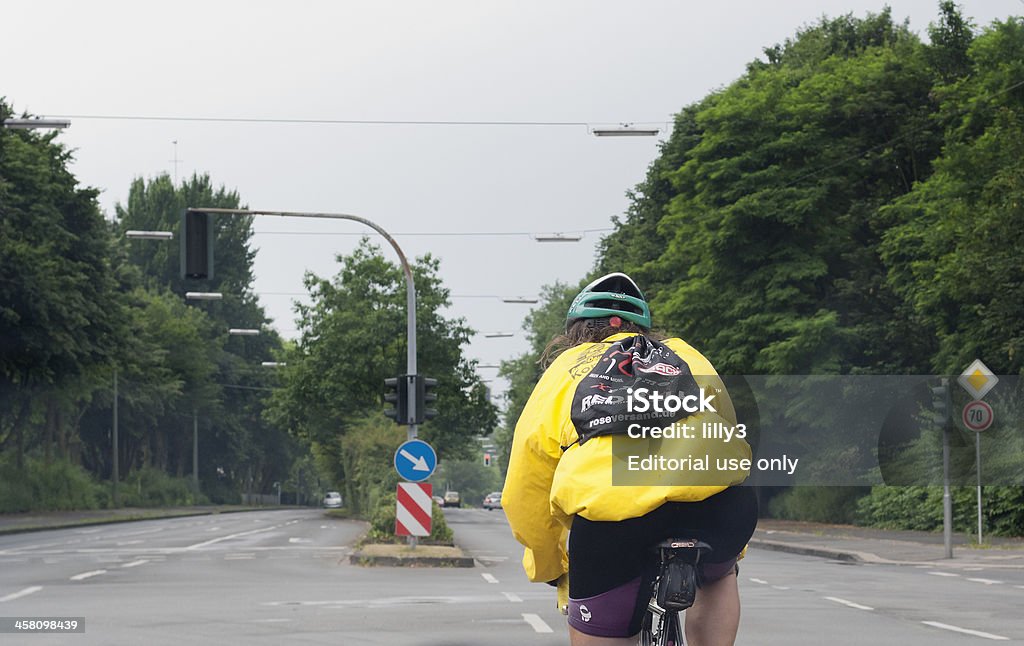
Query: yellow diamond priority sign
x=977 y=379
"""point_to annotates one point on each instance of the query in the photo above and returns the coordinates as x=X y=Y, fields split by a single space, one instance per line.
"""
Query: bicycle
x=673 y=591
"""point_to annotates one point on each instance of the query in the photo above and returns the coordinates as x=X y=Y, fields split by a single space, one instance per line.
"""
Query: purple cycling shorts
x=611 y=614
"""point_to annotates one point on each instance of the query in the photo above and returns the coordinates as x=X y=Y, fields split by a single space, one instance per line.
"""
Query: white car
x=332 y=500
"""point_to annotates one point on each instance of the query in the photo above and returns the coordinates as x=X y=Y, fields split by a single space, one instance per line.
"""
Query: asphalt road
x=282 y=577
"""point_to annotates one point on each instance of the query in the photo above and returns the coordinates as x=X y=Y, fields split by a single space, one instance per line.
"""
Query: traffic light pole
x=410 y=287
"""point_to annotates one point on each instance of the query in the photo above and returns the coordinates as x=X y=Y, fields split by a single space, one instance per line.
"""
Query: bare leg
x=714 y=618
x=576 y=638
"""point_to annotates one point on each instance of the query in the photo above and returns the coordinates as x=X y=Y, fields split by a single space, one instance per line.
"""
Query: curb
x=816 y=551
x=358 y=558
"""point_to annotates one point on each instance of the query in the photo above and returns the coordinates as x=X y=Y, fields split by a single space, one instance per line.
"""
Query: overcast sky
x=590 y=63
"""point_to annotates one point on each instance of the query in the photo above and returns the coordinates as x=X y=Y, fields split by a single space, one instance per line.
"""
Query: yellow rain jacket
x=546 y=486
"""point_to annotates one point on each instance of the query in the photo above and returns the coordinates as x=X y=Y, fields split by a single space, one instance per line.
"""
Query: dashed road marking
x=231 y=536
x=965 y=631
x=943 y=574
x=987 y=581
x=136 y=563
x=87 y=575
x=513 y=597
x=488 y=577
x=537 y=623
x=761 y=581
x=849 y=604
x=239 y=557
x=780 y=587
x=21 y=593
x=123 y=543
x=299 y=540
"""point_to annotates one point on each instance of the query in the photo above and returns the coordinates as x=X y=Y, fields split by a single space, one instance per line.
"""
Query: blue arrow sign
x=415 y=460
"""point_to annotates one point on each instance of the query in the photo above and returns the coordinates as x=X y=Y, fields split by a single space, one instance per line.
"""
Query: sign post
x=977 y=379
x=415 y=460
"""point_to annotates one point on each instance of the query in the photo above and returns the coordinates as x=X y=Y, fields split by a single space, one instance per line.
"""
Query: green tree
x=60 y=315
x=954 y=250
x=354 y=336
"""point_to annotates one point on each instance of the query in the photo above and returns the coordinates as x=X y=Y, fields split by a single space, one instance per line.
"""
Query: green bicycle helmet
x=613 y=295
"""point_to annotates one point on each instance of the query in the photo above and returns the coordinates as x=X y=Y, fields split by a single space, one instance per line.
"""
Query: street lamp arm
x=406 y=269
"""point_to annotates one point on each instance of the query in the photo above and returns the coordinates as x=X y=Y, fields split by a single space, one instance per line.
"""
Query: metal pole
x=195 y=449
x=977 y=449
x=410 y=287
x=115 y=475
x=947 y=500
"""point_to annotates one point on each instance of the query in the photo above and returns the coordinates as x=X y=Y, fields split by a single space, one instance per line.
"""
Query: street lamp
x=520 y=299
x=498 y=335
x=625 y=130
x=243 y=332
x=557 y=237
x=273 y=364
x=204 y=296
x=149 y=235
x=33 y=124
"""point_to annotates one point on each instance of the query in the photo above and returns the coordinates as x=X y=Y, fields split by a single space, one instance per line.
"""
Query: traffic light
x=196 y=245
x=397 y=393
x=487 y=459
x=425 y=396
x=940 y=402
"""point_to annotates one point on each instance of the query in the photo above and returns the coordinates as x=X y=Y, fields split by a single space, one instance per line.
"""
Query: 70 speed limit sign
x=977 y=416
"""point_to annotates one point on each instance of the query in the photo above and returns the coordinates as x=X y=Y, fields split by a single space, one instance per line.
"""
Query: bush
x=382 y=525
x=920 y=508
x=59 y=486
x=149 y=487
x=817 y=504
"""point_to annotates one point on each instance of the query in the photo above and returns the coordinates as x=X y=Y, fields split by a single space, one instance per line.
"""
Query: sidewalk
x=868 y=545
x=34 y=521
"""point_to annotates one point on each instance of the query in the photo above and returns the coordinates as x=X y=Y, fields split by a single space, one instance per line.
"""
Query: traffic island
x=401 y=555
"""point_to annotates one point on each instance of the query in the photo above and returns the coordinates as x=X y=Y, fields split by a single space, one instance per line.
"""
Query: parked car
x=332 y=500
x=452 y=499
x=439 y=501
x=492 y=501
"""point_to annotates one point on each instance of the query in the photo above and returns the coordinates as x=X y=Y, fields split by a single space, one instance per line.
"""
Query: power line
x=360 y=122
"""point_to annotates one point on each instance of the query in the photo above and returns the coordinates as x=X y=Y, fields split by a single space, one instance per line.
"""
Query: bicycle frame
x=672 y=591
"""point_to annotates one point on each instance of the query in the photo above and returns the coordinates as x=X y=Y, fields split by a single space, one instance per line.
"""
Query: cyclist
x=560 y=474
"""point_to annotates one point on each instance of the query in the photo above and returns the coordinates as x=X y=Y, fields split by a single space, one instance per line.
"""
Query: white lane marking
x=488 y=577
x=239 y=557
x=943 y=574
x=270 y=621
x=1019 y=586
x=761 y=581
x=780 y=587
x=87 y=575
x=231 y=536
x=987 y=581
x=213 y=529
x=324 y=527
x=537 y=623
x=513 y=597
x=21 y=593
x=973 y=569
x=966 y=631
x=123 y=543
x=136 y=563
x=299 y=540
x=849 y=604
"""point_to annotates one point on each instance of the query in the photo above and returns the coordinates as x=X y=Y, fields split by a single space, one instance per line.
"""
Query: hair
x=589 y=331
